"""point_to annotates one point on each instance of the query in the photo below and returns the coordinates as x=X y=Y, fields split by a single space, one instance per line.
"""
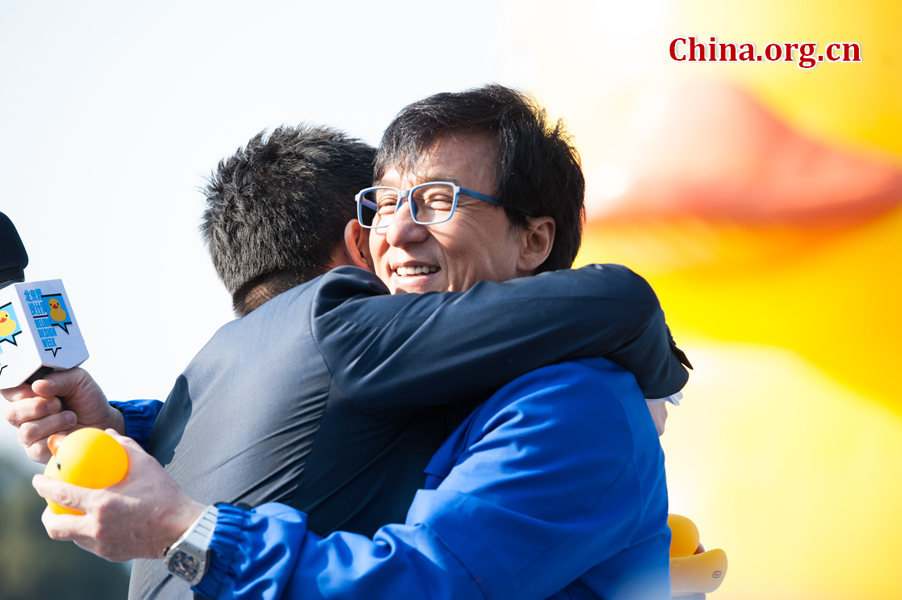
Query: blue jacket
x=553 y=488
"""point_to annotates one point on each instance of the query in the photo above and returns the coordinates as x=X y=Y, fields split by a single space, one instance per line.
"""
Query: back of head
x=539 y=170
x=276 y=210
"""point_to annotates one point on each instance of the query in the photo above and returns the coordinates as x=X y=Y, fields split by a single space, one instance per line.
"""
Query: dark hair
x=539 y=170
x=276 y=210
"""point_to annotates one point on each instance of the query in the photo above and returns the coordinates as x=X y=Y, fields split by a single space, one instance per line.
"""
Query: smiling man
x=554 y=485
x=455 y=177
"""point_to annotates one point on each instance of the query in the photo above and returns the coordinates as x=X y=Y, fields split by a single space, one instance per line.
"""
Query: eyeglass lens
x=430 y=204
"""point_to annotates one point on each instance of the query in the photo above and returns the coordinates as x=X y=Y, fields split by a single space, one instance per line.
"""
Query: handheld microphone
x=38 y=332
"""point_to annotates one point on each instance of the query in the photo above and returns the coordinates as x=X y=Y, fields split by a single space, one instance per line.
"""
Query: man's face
x=477 y=244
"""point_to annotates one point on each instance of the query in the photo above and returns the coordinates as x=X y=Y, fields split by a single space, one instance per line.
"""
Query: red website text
x=804 y=54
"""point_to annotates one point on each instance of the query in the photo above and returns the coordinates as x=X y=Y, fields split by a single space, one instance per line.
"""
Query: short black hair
x=538 y=169
x=276 y=209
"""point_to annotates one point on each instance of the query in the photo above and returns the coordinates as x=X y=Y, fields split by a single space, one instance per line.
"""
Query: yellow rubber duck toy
x=56 y=313
x=692 y=570
x=86 y=457
x=7 y=325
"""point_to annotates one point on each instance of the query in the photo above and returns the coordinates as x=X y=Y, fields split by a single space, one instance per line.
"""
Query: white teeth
x=420 y=270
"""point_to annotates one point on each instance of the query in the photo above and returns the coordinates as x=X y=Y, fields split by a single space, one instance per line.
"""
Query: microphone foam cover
x=13 y=258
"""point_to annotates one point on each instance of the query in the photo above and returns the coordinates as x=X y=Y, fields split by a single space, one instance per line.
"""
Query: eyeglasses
x=430 y=203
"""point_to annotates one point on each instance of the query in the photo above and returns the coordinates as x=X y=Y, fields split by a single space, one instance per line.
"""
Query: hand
x=59 y=403
x=698 y=550
x=659 y=415
x=139 y=517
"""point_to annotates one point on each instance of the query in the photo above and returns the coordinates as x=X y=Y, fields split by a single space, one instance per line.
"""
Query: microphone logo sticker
x=48 y=311
x=56 y=313
x=9 y=325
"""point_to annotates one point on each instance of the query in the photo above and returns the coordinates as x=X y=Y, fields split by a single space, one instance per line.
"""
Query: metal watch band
x=187 y=558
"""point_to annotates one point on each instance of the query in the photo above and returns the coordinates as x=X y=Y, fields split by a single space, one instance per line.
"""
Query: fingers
x=63 y=383
x=659 y=415
x=64 y=494
x=17 y=393
x=132 y=448
x=38 y=453
x=35 y=420
x=57 y=526
x=88 y=531
x=124 y=440
x=78 y=392
x=30 y=409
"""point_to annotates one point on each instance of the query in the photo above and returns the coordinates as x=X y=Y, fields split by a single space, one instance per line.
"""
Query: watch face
x=183 y=565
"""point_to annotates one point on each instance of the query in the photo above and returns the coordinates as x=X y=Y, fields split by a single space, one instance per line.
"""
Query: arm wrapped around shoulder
x=409 y=350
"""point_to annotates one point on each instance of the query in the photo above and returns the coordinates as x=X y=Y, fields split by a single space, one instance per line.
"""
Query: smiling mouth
x=413 y=271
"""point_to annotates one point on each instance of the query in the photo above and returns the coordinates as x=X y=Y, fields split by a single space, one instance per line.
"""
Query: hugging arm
x=406 y=351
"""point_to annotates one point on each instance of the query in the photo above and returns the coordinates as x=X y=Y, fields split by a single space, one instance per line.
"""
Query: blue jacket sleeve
x=469 y=344
x=268 y=553
x=140 y=416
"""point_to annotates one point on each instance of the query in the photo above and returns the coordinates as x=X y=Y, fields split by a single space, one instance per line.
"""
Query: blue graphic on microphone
x=9 y=325
x=48 y=311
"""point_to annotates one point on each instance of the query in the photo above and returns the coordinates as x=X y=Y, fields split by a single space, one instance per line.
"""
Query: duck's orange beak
x=54 y=441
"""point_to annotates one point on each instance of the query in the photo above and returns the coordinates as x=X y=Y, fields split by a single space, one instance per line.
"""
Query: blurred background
x=763 y=201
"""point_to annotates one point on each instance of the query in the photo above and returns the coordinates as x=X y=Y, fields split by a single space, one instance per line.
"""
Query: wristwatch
x=187 y=558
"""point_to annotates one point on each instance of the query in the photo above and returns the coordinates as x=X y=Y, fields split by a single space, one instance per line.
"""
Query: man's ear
x=357 y=240
x=537 y=239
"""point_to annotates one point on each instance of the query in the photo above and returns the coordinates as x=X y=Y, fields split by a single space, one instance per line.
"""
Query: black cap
x=13 y=258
